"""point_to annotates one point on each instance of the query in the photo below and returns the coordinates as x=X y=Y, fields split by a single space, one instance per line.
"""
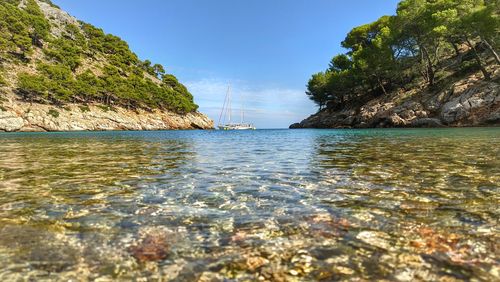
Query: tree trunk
x=492 y=50
x=423 y=71
x=478 y=60
x=436 y=55
x=430 y=69
x=458 y=55
x=455 y=47
x=381 y=85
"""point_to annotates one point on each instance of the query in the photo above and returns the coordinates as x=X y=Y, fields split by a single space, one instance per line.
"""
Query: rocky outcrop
x=470 y=101
x=16 y=115
x=57 y=17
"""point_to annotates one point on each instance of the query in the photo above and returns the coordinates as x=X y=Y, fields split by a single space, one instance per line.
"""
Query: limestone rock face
x=21 y=116
x=467 y=102
x=10 y=122
x=57 y=17
x=473 y=106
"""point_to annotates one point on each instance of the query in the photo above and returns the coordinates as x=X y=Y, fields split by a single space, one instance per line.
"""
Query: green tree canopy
x=395 y=50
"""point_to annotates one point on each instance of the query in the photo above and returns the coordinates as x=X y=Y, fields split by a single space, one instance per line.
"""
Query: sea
x=262 y=205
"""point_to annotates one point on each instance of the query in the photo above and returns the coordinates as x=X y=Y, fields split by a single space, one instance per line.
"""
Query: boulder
x=10 y=123
x=395 y=120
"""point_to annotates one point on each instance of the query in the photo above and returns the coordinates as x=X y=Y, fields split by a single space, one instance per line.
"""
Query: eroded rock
x=9 y=122
x=375 y=238
x=21 y=116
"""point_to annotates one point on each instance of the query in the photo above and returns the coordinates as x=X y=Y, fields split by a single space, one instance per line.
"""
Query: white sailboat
x=225 y=122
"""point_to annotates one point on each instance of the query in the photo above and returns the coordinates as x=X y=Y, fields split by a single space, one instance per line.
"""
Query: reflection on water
x=274 y=205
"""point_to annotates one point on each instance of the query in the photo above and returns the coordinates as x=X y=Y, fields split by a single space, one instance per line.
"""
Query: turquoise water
x=276 y=205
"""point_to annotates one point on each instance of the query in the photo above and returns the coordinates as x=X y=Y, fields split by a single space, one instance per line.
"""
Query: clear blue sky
x=267 y=49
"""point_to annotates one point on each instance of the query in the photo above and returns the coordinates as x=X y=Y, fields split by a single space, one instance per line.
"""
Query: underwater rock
x=405 y=275
x=210 y=277
x=324 y=275
x=343 y=270
x=327 y=226
x=495 y=272
x=431 y=241
x=302 y=262
x=239 y=237
x=153 y=245
x=375 y=238
x=273 y=274
x=293 y=272
x=254 y=263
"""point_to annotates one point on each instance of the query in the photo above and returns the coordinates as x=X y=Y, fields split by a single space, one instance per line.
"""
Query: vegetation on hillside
x=82 y=65
x=421 y=43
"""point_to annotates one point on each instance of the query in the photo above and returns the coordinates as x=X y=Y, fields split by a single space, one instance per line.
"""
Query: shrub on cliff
x=54 y=84
x=66 y=52
x=53 y=113
x=14 y=32
x=2 y=79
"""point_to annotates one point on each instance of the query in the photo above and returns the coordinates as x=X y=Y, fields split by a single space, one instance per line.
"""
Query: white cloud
x=266 y=107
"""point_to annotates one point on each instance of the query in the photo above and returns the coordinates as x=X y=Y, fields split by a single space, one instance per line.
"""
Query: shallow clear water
x=277 y=205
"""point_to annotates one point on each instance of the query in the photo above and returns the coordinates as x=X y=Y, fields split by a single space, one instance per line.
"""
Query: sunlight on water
x=269 y=204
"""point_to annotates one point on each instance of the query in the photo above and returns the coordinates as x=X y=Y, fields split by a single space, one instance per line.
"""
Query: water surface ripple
x=276 y=205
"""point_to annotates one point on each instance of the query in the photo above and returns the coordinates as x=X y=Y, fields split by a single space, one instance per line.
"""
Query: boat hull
x=237 y=127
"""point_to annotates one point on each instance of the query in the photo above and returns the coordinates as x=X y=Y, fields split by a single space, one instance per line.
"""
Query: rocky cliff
x=16 y=115
x=467 y=101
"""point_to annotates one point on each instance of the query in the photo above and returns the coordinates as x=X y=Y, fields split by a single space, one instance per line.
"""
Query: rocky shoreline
x=19 y=116
x=470 y=101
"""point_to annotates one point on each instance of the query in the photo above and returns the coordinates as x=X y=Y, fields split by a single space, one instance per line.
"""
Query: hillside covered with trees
x=425 y=45
x=48 y=57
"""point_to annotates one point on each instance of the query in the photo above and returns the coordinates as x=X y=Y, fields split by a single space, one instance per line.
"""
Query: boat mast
x=224 y=108
x=242 y=109
x=229 y=99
